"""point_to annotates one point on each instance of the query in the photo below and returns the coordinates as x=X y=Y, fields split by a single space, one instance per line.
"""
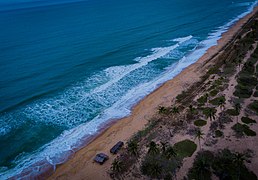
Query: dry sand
x=81 y=166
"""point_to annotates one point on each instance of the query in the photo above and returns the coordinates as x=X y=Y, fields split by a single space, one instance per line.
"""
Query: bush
x=255 y=94
x=217 y=100
x=214 y=92
x=207 y=110
x=200 y=123
x=202 y=100
x=243 y=91
x=185 y=148
x=218 y=133
x=254 y=106
x=247 y=120
x=232 y=112
x=241 y=129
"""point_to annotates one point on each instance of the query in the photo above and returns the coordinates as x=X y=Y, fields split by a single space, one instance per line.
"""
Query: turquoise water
x=67 y=68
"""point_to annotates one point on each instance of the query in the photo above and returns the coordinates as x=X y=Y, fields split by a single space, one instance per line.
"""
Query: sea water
x=68 y=67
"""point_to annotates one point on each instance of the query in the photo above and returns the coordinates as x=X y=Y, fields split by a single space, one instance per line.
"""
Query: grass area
x=232 y=112
x=218 y=133
x=217 y=101
x=254 y=106
x=185 y=148
x=247 y=120
x=241 y=129
x=200 y=123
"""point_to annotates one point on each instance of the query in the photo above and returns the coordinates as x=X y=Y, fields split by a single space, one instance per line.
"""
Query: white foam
x=64 y=144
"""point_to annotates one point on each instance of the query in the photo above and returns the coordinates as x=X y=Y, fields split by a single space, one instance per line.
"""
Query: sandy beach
x=81 y=165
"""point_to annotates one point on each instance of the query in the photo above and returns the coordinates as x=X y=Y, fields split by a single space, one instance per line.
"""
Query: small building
x=116 y=147
x=101 y=158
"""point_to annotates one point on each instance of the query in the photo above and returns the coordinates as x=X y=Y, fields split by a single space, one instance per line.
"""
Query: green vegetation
x=217 y=101
x=182 y=96
x=214 y=92
x=255 y=94
x=163 y=110
x=148 y=128
x=225 y=165
x=228 y=165
x=185 y=148
x=241 y=129
x=243 y=91
x=201 y=169
x=209 y=112
x=247 y=120
x=203 y=99
x=218 y=133
x=160 y=163
x=254 y=106
x=133 y=147
x=232 y=112
x=200 y=123
x=213 y=70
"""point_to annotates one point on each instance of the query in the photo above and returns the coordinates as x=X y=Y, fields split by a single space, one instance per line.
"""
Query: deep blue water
x=66 y=68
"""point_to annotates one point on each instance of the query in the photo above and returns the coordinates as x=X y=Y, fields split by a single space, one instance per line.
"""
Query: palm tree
x=117 y=166
x=237 y=107
x=211 y=114
x=199 y=135
x=175 y=110
x=170 y=152
x=202 y=167
x=164 y=146
x=155 y=170
x=239 y=160
x=191 y=109
x=222 y=104
x=153 y=148
x=132 y=147
x=162 y=110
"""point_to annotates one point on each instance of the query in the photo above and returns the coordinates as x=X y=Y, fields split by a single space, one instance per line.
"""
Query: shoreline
x=81 y=163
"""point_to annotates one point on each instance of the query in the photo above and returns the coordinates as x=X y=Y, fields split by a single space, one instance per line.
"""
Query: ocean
x=69 y=67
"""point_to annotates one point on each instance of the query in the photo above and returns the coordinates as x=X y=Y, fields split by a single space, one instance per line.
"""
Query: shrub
x=214 y=92
x=247 y=120
x=200 y=123
x=254 y=106
x=185 y=148
x=232 y=112
x=217 y=100
x=203 y=99
x=207 y=110
x=243 y=91
x=255 y=94
x=241 y=129
x=218 y=133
